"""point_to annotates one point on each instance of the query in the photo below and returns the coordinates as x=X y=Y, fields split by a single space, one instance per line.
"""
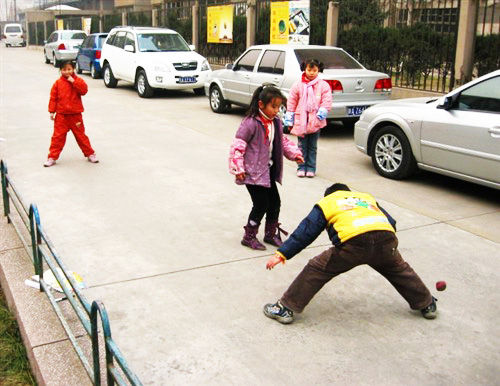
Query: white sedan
x=457 y=135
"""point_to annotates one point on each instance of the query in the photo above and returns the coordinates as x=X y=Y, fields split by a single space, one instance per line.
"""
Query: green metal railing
x=41 y=250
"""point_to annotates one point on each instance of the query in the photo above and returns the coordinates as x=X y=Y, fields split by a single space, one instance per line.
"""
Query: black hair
x=63 y=63
x=265 y=93
x=312 y=63
x=335 y=187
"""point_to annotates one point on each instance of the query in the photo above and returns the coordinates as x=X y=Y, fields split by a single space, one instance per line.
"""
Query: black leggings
x=265 y=201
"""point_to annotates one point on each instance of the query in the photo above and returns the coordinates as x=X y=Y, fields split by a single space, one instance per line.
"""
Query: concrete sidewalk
x=154 y=229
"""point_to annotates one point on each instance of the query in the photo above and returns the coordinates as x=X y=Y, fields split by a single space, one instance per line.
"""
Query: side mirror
x=192 y=47
x=229 y=66
x=448 y=102
x=129 y=48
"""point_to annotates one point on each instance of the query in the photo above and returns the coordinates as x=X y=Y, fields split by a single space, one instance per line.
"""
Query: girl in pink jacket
x=308 y=104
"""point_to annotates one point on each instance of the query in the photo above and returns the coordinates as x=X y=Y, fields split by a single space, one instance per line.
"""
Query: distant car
x=13 y=35
x=152 y=58
x=354 y=87
x=457 y=135
x=62 y=45
x=89 y=55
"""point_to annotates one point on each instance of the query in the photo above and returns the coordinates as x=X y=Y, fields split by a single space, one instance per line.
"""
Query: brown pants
x=379 y=250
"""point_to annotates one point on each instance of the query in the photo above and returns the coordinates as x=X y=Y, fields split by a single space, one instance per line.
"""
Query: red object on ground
x=441 y=285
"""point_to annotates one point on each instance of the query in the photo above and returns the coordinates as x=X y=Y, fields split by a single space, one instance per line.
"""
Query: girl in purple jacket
x=256 y=159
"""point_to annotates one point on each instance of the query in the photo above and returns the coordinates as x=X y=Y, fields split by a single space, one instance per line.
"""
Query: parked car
x=457 y=135
x=62 y=45
x=152 y=58
x=354 y=87
x=13 y=35
x=89 y=55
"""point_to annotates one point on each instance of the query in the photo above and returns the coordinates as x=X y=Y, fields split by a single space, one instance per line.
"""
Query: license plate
x=356 y=110
x=187 y=79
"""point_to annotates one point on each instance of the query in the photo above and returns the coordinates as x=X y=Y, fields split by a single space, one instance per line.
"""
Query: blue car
x=89 y=55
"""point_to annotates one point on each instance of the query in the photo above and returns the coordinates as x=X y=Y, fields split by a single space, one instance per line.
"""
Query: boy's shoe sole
x=282 y=319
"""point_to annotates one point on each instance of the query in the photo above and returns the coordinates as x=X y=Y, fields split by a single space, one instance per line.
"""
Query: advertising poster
x=60 y=24
x=87 y=23
x=280 y=15
x=290 y=22
x=220 y=24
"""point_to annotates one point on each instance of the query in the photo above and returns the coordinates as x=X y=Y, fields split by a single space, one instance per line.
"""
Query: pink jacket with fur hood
x=296 y=104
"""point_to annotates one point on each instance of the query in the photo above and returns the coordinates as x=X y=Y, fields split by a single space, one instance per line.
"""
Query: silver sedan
x=354 y=87
x=457 y=135
x=62 y=45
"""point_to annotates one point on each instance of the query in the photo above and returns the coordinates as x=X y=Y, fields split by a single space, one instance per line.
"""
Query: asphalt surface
x=155 y=231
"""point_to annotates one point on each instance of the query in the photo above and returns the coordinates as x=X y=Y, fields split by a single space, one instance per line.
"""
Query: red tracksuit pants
x=64 y=123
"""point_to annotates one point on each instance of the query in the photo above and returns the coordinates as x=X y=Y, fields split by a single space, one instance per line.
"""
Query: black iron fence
x=487 y=47
x=179 y=17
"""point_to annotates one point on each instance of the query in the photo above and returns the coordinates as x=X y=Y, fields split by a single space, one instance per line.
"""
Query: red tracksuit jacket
x=66 y=97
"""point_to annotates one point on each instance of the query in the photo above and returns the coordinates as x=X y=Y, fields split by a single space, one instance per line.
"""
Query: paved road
x=155 y=228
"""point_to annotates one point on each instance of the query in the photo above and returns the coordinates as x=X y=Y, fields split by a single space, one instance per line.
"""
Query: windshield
x=332 y=59
x=13 y=28
x=160 y=42
x=67 y=35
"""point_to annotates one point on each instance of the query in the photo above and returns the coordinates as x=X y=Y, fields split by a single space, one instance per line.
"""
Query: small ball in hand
x=441 y=285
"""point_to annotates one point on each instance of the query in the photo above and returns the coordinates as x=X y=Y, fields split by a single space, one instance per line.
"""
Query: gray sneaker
x=430 y=312
x=279 y=312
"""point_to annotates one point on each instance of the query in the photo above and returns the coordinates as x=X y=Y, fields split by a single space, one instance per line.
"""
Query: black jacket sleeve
x=389 y=217
x=307 y=231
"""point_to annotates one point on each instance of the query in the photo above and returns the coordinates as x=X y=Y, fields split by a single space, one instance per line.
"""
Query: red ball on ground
x=441 y=285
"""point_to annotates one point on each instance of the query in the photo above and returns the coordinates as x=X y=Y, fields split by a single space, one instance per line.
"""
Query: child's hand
x=322 y=113
x=71 y=79
x=52 y=116
x=299 y=159
x=240 y=176
x=273 y=261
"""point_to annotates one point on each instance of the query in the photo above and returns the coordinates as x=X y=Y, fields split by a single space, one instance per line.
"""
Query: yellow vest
x=353 y=213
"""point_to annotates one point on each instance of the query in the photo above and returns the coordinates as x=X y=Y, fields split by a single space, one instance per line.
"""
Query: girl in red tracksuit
x=65 y=108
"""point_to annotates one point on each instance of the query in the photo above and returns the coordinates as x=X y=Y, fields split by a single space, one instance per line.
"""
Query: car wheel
x=391 y=154
x=93 y=72
x=143 y=88
x=199 y=91
x=47 y=60
x=56 y=62
x=77 y=68
x=217 y=102
x=109 y=80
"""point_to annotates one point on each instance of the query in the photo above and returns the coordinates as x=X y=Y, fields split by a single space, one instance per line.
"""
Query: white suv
x=152 y=58
x=13 y=35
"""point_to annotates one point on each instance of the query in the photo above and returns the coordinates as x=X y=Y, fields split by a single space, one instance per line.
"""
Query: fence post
x=154 y=17
x=465 y=41
x=124 y=18
x=5 y=194
x=251 y=20
x=35 y=241
x=332 y=23
x=196 y=25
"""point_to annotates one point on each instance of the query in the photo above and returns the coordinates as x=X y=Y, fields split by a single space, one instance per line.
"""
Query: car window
x=484 y=96
x=52 y=38
x=129 y=40
x=269 y=61
x=87 y=43
x=280 y=64
x=247 y=61
x=332 y=59
x=119 y=39
x=13 y=28
x=67 y=35
x=110 y=39
x=161 y=42
x=100 y=41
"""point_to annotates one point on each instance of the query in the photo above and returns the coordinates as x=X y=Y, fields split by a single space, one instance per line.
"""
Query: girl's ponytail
x=265 y=93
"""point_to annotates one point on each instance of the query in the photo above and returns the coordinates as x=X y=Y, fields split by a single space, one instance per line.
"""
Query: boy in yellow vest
x=362 y=233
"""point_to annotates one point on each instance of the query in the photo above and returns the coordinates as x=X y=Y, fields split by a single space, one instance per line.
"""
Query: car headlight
x=205 y=66
x=161 y=68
